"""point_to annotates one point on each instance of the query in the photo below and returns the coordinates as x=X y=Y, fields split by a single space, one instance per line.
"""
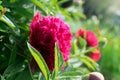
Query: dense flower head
x=89 y=36
x=92 y=41
x=44 y=32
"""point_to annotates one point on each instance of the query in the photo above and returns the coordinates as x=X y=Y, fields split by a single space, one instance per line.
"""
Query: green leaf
x=12 y=1
x=53 y=3
x=24 y=75
x=0 y=2
x=2 y=77
x=26 y=13
x=13 y=54
x=69 y=74
x=92 y=62
x=88 y=62
x=18 y=71
x=58 y=62
x=66 y=14
x=40 y=61
x=82 y=42
x=7 y=21
x=40 y=5
x=90 y=49
x=83 y=70
x=40 y=76
x=61 y=60
x=1 y=7
x=13 y=69
x=79 y=15
x=3 y=27
x=85 y=77
x=74 y=46
x=56 y=59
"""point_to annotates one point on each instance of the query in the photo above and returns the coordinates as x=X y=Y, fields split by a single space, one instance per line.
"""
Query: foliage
x=111 y=67
x=16 y=52
x=14 y=31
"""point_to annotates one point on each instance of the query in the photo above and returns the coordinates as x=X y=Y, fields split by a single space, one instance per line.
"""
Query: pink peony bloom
x=89 y=36
x=91 y=40
x=80 y=33
x=44 y=32
x=95 y=55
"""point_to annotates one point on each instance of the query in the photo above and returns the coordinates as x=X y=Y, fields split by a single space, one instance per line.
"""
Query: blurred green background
x=100 y=16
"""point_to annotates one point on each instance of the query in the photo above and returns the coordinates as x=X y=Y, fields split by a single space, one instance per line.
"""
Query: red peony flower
x=80 y=33
x=89 y=36
x=91 y=40
x=95 y=55
x=44 y=32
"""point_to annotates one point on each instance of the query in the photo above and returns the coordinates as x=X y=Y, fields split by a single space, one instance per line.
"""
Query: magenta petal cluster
x=95 y=55
x=80 y=33
x=92 y=41
x=90 y=37
x=45 y=32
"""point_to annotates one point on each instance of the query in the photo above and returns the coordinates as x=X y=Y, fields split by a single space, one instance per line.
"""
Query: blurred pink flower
x=89 y=36
x=95 y=55
x=80 y=33
x=91 y=40
x=44 y=32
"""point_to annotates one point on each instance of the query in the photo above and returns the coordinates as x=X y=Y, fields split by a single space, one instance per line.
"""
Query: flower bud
x=96 y=76
x=93 y=76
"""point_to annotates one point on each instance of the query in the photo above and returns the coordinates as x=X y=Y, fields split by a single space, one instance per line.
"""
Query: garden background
x=100 y=16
